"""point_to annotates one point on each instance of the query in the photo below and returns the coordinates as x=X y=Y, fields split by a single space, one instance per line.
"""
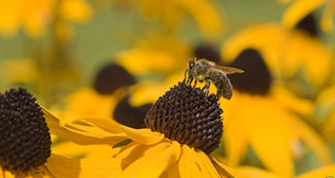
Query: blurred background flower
x=113 y=59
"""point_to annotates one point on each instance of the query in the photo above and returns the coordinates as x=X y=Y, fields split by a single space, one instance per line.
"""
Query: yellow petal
x=235 y=141
x=187 y=164
x=107 y=124
x=290 y=101
x=154 y=162
x=274 y=147
x=80 y=136
x=269 y=39
x=204 y=163
x=140 y=61
x=298 y=10
x=257 y=172
x=226 y=171
x=6 y=174
x=316 y=71
x=10 y=18
x=76 y=10
x=143 y=136
x=327 y=17
x=314 y=141
x=40 y=172
x=206 y=16
x=327 y=171
x=83 y=167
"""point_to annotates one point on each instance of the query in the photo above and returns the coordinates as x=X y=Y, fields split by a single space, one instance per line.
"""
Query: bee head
x=191 y=64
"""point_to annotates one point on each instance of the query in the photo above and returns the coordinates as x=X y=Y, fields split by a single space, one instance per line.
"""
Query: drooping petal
x=71 y=149
x=143 y=136
x=226 y=171
x=108 y=125
x=157 y=159
x=83 y=167
x=89 y=135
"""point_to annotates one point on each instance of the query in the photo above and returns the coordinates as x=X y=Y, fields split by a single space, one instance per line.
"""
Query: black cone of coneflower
x=187 y=115
x=308 y=25
x=24 y=136
x=208 y=52
x=129 y=115
x=256 y=78
x=112 y=77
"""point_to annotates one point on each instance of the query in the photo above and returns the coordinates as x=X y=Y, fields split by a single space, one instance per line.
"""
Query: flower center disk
x=187 y=115
x=24 y=136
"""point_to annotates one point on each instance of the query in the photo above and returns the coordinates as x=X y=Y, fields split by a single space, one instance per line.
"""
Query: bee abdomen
x=223 y=85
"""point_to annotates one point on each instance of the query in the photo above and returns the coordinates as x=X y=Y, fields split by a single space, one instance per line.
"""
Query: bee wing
x=228 y=70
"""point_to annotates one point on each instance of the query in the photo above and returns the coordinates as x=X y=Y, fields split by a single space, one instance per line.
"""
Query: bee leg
x=218 y=95
x=185 y=75
x=207 y=87
x=190 y=79
x=195 y=83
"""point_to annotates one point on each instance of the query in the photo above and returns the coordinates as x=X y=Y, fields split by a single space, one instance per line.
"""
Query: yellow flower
x=103 y=100
x=34 y=16
x=298 y=9
x=263 y=115
x=282 y=53
x=178 y=151
x=25 y=149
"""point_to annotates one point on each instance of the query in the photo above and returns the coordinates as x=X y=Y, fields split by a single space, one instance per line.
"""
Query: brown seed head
x=24 y=136
x=187 y=115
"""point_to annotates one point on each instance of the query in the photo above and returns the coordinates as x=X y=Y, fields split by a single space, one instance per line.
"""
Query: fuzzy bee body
x=222 y=83
x=204 y=70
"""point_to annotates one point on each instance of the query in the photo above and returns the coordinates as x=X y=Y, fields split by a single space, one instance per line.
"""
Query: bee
x=204 y=70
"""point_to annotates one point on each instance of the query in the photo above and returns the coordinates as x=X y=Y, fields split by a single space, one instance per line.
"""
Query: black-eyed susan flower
x=263 y=116
x=35 y=16
x=298 y=9
x=305 y=73
x=107 y=98
x=183 y=127
x=25 y=144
